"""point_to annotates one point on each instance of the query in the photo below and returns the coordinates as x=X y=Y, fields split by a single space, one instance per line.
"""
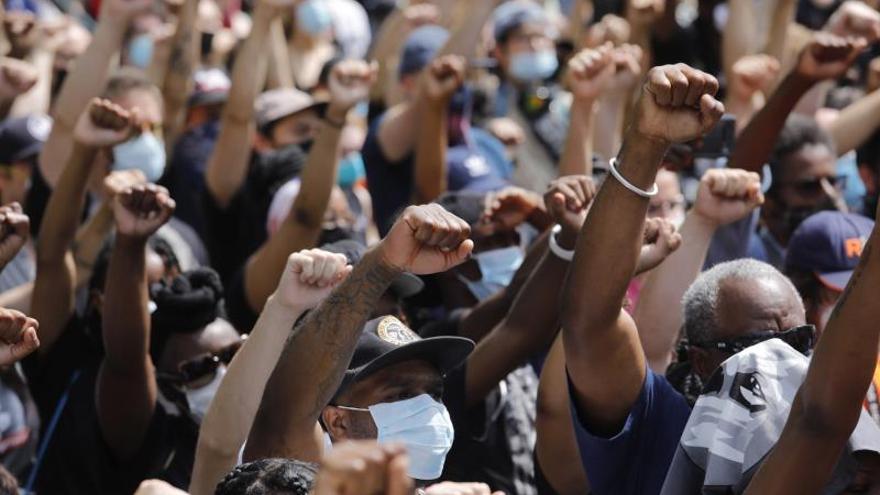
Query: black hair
x=269 y=477
x=102 y=262
x=799 y=132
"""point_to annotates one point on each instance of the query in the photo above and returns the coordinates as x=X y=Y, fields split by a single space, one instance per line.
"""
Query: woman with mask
x=311 y=44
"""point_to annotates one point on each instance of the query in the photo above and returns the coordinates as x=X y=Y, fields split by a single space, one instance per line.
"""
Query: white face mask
x=422 y=425
x=200 y=398
x=498 y=267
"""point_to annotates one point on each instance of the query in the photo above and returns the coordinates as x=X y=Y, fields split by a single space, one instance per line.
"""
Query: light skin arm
x=725 y=196
x=228 y=421
x=783 y=16
x=126 y=391
x=17 y=78
x=588 y=73
x=424 y=240
x=85 y=82
x=37 y=99
x=280 y=72
x=181 y=64
x=614 y=101
x=856 y=123
x=749 y=82
x=828 y=403
x=599 y=335
x=349 y=84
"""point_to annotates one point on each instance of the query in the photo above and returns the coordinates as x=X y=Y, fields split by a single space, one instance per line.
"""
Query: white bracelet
x=556 y=249
x=612 y=166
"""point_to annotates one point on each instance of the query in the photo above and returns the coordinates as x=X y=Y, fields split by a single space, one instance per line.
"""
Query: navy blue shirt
x=481 y=166
x=635 y=460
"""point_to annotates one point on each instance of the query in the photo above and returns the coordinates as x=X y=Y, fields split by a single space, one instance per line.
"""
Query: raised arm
x=856 y=123
x=826 y=57
x=14 y=232
x=725 y=196
x=828 y=403
x=349 y=84
x=86 y=81
x=228 y=165
x=17 y=77
x=615 y=100
x=177 y=82
x=102 y=126
x=599 y=335
x=749 y=80
x=126 y=391
x=225 y=428
x=425 y=240
x=440 y=81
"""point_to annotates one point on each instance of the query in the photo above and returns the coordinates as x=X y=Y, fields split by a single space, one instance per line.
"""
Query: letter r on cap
x=853 y=248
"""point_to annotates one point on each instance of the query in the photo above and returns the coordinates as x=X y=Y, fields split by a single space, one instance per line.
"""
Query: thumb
x=711 y=111
x=462 y=252
x=19 y=350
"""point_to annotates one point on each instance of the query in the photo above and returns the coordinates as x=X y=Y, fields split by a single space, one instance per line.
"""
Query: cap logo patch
x=391 y=330
x=39 y=126
x=853 y=248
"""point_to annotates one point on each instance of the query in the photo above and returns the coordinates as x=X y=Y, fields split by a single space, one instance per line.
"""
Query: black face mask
x=870 y=206
x=281 y=165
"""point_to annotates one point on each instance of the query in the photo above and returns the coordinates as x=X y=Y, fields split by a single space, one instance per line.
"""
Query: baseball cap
x=420 y=47
x=210 y=87
x=386 y=341
x=829 y=244
x=275 y=104
x=469 y=205
x=23 y=137
x=511 y=15
x=405 y=285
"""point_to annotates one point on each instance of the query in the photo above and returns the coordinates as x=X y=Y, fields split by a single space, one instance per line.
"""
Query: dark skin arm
x=599 y=335
x=827 y=406
x=126 y=391
x=425 y=240
x=826 y=57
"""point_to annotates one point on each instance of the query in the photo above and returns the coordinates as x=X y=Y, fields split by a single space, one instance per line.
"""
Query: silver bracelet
x=612 y=167
x=556 y=249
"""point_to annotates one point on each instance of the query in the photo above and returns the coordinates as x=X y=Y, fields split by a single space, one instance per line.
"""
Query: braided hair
x=269 y=477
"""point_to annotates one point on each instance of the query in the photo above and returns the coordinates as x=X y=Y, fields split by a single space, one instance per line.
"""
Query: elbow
x=311 y=220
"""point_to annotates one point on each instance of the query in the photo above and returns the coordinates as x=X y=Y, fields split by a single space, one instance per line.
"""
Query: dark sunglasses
x=194 y=369
x=814 y=187
x=800 y=338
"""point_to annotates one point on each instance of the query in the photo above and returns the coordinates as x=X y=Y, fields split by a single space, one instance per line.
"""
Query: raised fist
x=22 y=31
x=350 y=83
x=141 y=210
x=661 y=240
x=309 y=277
x=18 y=336
x=627 y=68
x=645 y=12
x=590 y=72
x=568 y=199
x=855 y=18
x=828 y=56
x=611 y=28
x=421 y=14
x=104 y=124
x=364 y=467
x=752 y=74
x=507 y=131
x=14 y=232
x=727 y=195
x=426 y=240
x=17 y=77
x=677 y=104
x=510 y=207
x=120 y=180
x=442 y=78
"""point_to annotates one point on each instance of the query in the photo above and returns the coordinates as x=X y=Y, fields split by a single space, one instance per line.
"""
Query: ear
x=336 y=422
x=261 y=143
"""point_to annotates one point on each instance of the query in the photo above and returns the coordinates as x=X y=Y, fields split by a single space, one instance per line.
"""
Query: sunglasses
x=815 y=187
x=800 y=338
x=207 y=364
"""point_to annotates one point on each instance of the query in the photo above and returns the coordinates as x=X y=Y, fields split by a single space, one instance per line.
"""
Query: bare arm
x=725 y=196
x=36 y=100
x=856 y=123
x=588 y=73
x=323 y=346
x=828 y=403
x=598 y=334
x=177 y=83
x=229 y=419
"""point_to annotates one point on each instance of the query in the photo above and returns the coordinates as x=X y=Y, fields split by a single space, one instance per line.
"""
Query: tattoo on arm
x=854 y=281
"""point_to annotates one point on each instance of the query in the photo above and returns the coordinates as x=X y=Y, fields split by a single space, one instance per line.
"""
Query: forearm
x=302 y=227
x=398 y=131
x=181 y=64
x=89 y=241
x=856 y=123
x=577 y=155
x=738 y=38
x=321 y=348
x=126 y=321
x=226 y=425
x=658 y=326
x=755 y=144
x=18 y=298
x=743 y=110
x=466 y=38
x=36 y=101
x=430 y=160
x=280 y=72
x=783 y=15
x=608 y=129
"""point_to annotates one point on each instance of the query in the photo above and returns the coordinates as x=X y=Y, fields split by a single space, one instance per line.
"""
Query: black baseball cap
x=404 y=286
x=22 y=138
x=420 y=47
x=829 y=244
x=386 y=341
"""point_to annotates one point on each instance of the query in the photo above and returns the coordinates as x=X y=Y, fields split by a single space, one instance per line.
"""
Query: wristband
x=612 y=167
x=556 y=249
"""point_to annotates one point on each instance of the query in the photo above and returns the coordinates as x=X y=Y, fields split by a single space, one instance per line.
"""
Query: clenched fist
x=568 y=199
x=661 y=240
x=350 y=83
x=828 y=57
x=677 y=104
x=18 y=336
x=426 y=240
x=728 y=195
x=309 y=277
x=141 y=210
x=17 y=77
x=590 y=72
x=104 y=124
x=14 y=232
x=442 y=78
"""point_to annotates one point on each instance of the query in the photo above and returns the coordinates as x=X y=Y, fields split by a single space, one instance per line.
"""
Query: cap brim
x=317 y=106
x=29 y=151
x=407 y=285
x=445 y=353
x=208 y=99
x=835 y=280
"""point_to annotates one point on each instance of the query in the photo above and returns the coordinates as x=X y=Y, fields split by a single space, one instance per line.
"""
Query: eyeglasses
x=207 y=364
x=800 y=338
x=814 y=187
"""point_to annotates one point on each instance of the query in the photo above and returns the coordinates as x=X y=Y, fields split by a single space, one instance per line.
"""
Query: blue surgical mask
x=533 y=66
x=498 y=267
x=144 y=152
x=313 y=17
x=422 y=425
x=140 y=51
x=199 y=399
x=351 y=169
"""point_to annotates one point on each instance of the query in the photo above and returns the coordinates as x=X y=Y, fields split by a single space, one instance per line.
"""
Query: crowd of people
x=441 y=247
